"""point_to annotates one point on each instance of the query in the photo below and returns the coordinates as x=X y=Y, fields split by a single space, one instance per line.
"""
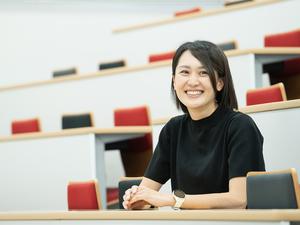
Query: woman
x=208 y=151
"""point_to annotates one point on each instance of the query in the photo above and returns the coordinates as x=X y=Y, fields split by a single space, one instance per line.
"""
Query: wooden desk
x=266 y=217
x=247 y=67
x=36 y=168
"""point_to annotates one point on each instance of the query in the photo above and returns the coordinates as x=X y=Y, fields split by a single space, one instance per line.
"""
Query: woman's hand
x=142 y=197
x=128 y=196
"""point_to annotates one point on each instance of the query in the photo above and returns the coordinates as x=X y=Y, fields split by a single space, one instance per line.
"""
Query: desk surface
x=225 y=215
x=79 y=131
x=252 y=109
x=116 y=71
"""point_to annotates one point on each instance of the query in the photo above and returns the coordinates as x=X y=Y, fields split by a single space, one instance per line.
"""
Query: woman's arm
x=142 y=204
x=235 y=198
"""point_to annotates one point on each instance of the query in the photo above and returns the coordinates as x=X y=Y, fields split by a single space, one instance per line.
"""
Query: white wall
x=40 y=36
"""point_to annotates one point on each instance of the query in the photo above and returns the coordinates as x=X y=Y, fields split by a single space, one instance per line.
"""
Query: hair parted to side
x=214 y=61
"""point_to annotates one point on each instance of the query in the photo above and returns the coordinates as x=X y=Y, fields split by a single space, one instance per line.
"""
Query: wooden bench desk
x=164 y=217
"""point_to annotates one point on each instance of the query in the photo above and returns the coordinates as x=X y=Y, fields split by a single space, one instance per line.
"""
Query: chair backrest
x=286 y=39
x=112 y=64
x=135 y=116
x=65 y=72
x=230 y=45
x=25 y=126
x=161 y=56
x=273 y=93
x=234 y=2
x=84 y=195
x=70 y=121
x=126 y=183
x=273 y=190
x=187 y=11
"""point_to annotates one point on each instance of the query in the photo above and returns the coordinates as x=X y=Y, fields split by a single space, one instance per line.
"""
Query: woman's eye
x=184 y=72
x=203 y=74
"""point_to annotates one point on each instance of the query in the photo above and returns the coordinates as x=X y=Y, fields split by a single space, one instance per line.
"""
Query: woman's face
x=193 y=86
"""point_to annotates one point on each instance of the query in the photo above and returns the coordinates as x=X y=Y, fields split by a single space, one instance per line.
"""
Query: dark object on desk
x=77 y=120
x=235 y=2
x=274 y=93
x=187 y=12
x=126 y=183
x=273 y=190
x=65 y=72
x=287 y=71
x=110 y=65
x=231 y=45
x=25 y=126
x=84 y=195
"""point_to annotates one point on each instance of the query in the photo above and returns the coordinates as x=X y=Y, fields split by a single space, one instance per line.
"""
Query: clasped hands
x=141 y=197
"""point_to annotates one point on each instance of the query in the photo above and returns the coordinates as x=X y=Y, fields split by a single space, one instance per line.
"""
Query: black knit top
x=202 y=156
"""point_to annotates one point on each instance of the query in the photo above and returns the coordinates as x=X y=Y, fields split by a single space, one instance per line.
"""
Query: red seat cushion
x=161 y=56
x=286 y=39
x=264 y=95
x=188 y=11
x=82 y=196
x=112 y=194
x=137 y=116
x=25 y=126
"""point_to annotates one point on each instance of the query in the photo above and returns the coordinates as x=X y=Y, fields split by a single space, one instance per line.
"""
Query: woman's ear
x=220 y=84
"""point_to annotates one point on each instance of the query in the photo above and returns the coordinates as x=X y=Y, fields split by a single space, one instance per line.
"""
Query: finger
x=126 y=197
x=128 y=191
x=134 y=189
x=125 y=205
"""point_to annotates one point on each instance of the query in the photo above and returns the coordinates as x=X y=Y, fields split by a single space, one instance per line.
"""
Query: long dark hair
x=214 y=60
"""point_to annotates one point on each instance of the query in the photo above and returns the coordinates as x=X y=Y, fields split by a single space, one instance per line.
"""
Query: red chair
x=274 y=93
x=84 y=195
x=287 y=71
x=187 y=12
x=25 y=126
x=161 y=56
x=135 y=153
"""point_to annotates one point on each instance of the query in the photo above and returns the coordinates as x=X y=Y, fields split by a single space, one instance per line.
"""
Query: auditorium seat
x=84 y=195
x=65 y=72
x=235 y=2
x=70 y=121
x=25 y=126
x=161 y=56
x=273 y=190
x=187 y=12
x=112 y=64
x=136 y=153
x=126 y=183
x=287 y=71
x=229 y=45
x=274 y=93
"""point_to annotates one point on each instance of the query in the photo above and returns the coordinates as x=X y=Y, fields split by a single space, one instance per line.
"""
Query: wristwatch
x=179 y=197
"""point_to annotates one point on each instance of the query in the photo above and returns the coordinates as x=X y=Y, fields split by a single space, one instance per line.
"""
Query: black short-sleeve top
x=201 y=156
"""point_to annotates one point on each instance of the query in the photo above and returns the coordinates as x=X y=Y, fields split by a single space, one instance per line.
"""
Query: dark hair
x=214 y=60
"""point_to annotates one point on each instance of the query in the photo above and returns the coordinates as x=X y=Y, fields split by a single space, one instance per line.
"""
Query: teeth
x=194 y=92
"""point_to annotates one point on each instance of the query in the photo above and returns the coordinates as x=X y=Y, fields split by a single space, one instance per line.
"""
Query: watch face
x=179 y=193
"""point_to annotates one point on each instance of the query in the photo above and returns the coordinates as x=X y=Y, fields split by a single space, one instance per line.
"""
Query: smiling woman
x=207 y=151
